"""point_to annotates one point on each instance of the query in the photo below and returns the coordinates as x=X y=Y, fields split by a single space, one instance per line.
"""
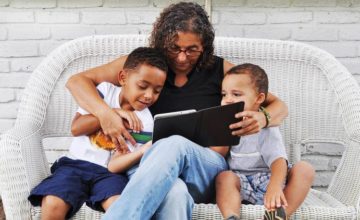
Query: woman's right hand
x=113 y=126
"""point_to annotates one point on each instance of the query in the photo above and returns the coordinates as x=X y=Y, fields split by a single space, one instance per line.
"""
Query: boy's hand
x=274 y=197
x=113 y=127
x=145 y=147
x=122 y=151
x=131 y=118
x=251 y=123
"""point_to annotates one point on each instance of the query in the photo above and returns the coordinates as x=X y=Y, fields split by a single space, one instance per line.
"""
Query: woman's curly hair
x=184 y=17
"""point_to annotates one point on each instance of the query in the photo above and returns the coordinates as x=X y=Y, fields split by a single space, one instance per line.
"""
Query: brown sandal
x=277 y=214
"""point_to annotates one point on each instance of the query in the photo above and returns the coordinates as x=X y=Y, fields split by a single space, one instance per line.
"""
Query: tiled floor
x=2 y=215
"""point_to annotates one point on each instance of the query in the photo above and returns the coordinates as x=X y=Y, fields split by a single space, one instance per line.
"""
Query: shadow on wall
x=2 y=214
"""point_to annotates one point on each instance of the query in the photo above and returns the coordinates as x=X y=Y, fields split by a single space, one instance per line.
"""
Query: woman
x=175 y=172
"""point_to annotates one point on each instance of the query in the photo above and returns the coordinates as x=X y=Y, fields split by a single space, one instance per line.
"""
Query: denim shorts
x=79 y=181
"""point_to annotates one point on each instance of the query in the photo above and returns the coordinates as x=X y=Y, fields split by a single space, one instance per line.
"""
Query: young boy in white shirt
x=83 y=175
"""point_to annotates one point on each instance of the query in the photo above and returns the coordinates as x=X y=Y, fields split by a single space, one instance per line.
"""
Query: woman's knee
x=303 y=170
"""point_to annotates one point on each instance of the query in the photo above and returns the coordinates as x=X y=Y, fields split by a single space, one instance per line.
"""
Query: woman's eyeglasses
x=190 y=52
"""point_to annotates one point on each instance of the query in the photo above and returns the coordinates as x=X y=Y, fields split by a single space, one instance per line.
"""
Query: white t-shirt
x=256 y=152
x=82 y=149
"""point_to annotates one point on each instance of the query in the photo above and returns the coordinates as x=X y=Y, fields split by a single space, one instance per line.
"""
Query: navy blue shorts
x=79 y=181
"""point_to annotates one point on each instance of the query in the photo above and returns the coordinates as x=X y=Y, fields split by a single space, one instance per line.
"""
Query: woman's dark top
x=202 y=90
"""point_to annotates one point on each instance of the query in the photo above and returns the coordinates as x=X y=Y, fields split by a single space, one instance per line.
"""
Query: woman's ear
x=122 y=77
x=261 y=98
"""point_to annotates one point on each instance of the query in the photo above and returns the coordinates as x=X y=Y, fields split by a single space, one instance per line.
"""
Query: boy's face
x=238 y=87
x=140 y=87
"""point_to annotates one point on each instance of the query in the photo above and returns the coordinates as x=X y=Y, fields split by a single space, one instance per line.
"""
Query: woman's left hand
x=251 y=123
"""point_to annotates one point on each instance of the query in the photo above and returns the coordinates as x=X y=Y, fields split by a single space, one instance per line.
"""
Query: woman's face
x=185 y=52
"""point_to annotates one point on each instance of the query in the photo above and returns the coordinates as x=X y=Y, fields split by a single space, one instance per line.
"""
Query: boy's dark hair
x=184 y=17
x=145 y=55
x=257 y=74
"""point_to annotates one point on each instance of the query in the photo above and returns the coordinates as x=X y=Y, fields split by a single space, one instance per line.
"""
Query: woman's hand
x=274 y=197
x=132 y=120
x=251 y=123
x=113 y=127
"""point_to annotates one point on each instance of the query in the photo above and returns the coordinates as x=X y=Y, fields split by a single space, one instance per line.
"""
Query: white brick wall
x=30 y=29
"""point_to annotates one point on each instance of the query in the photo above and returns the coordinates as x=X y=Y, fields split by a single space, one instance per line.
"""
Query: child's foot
x=233 y=217
x=277 y=214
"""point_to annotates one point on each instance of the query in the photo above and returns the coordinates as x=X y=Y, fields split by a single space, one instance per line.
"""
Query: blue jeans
x=173 y=174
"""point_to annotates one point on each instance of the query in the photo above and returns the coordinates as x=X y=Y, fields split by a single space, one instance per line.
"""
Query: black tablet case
x=207 y=127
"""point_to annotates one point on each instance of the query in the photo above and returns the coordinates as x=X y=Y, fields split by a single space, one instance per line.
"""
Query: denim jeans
x=173 y=174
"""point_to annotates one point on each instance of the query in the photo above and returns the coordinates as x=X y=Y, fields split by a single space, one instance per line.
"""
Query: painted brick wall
x=30 y=29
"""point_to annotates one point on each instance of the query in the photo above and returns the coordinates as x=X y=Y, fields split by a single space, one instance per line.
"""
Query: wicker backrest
x=302 y=77
x=313 y=84
x=52 y=98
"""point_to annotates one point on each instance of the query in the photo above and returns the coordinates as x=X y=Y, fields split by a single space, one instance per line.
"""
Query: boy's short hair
x=148 y=56
x=257 y=74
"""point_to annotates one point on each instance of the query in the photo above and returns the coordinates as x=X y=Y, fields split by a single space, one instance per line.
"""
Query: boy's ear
x=122 y=77
x=260 y=99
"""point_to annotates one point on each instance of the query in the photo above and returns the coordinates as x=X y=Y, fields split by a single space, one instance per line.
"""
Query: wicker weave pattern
x=323 y=100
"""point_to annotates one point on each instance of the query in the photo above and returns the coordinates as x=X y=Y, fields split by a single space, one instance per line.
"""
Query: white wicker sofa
x=323 y=100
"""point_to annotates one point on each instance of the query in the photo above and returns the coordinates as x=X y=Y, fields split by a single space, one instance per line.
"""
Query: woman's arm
x=276 y=108
x=83 y=87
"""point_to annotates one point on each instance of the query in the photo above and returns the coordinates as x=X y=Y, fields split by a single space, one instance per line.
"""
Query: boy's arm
x=274 y=196
x=84 y=124
x=121 y=162
x=88 y=123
